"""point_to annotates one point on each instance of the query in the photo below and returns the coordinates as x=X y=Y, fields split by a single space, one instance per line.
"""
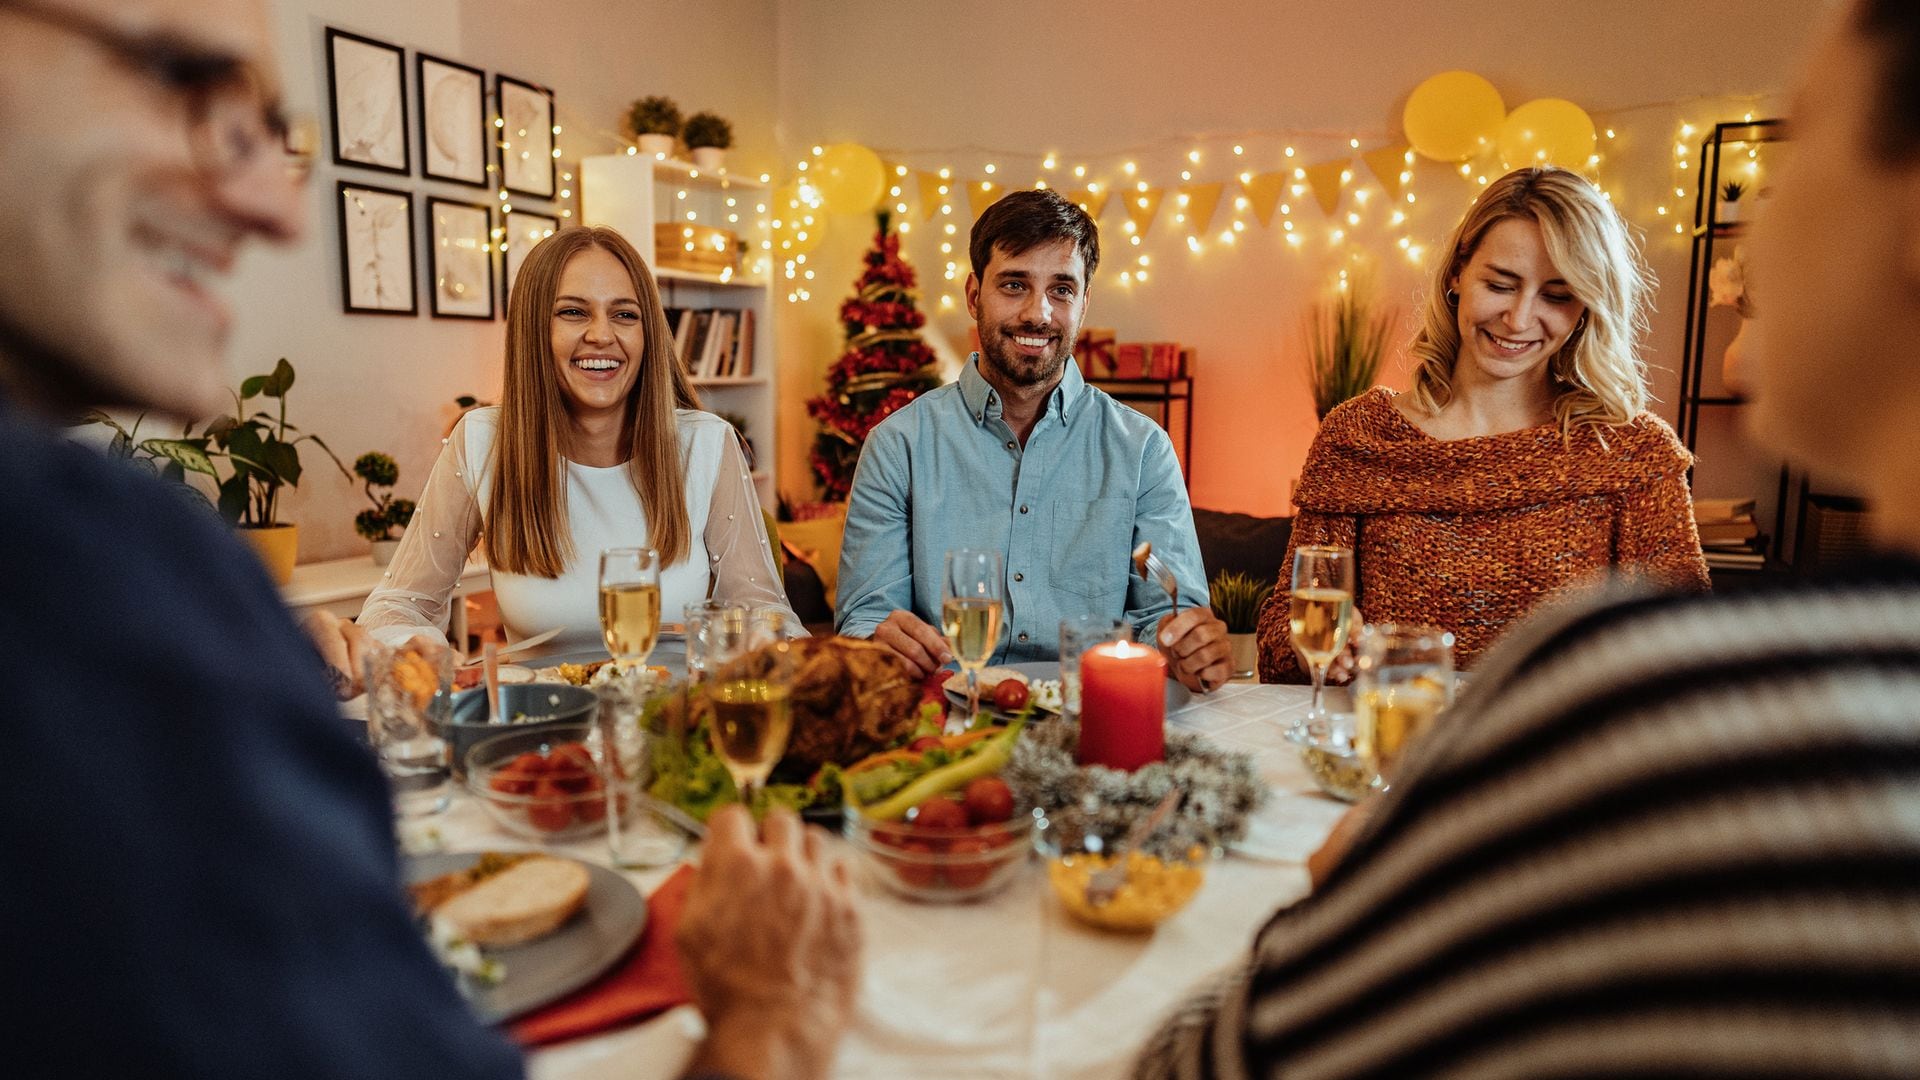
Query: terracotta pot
x=383 y=551
x=277 y=546
x=708 y=158
x=1246 y=654
x=657 y=145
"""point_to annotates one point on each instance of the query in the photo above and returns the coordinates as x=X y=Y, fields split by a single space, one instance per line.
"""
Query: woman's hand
x=341 y=646
x=1342 y=668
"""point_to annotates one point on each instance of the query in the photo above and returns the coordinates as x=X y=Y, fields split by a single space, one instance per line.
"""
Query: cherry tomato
x=989 y=801
x=918 y=875
x=571 y=766
x=940 y=812
x=925 y=743
x=511 y=781
x=1010 y=695
x=970 y=868
x=590 y=810
x=529 y=764
x=551 y=809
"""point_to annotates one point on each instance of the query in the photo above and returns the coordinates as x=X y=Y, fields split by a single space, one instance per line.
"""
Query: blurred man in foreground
x=200 y=869
x=1665 y=835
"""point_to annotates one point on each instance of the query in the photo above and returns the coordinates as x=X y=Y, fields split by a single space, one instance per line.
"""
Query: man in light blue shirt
x=1022 y=457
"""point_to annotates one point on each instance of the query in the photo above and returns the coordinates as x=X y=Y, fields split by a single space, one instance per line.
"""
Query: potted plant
x=387 y=514
x=1237 y=599
x=1729 y=209
x=708 y=136
x=1346 y=340
x=654 y=122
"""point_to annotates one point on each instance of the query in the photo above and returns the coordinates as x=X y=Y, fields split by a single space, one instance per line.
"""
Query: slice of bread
x=528 y=900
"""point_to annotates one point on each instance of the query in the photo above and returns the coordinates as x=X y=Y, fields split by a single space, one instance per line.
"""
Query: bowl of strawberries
x=542 y=784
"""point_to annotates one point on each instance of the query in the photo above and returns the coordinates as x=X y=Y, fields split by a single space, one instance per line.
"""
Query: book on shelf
x=713 y=343
x=743 y=346
x=1713 y=510
x=1735 y=532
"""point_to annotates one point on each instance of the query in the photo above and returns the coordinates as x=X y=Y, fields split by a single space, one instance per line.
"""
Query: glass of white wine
x=1322 y=615
x=752 y=698
x=972 y=605
x=1403 y=678
x=630 y=602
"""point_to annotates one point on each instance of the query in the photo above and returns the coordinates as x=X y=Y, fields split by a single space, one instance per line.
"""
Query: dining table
x=1007 y=986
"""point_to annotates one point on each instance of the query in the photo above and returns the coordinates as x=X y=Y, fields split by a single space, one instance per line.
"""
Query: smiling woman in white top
x=599 y=442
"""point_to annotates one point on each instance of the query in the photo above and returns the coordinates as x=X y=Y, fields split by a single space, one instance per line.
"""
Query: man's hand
x=341 y=645
x=1195 y=642
x=770 y=943
x=922 y=646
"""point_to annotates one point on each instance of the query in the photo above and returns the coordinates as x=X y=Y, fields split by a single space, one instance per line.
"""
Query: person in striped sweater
x=1659 y=835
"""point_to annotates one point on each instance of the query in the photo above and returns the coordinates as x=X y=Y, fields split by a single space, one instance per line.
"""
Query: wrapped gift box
x=1130 y=361
x=1163 y=360
x=1094 y=349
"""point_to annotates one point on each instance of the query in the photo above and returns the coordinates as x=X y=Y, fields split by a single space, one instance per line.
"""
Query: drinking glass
x=1404 y=678
x=409 y=701
x=971 y=607
x=752 y=704
x=716 y=633
x=630 y=602
x=1322 y=614
x=637 y=837
x=1078 y=633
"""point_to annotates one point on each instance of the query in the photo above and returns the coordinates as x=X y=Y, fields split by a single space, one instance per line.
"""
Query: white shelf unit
x=635 y=192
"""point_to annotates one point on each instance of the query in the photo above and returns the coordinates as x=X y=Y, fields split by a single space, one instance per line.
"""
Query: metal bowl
x=537 y=705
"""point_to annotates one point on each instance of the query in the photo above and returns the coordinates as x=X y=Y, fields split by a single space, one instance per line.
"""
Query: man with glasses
x=197 y=868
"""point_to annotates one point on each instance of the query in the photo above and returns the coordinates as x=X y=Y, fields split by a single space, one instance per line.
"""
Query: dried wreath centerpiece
x=1222 y=788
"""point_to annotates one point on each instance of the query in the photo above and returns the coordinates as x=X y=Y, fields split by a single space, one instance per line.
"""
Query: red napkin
x=646 y=982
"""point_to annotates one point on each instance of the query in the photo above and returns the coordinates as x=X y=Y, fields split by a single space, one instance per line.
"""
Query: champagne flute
x=752 y=698
x=1322 y=614
x=971 y=608
x=1404 y=678
x=630 y=602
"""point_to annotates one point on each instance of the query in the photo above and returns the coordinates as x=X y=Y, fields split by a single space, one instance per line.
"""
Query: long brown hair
x=1598 y=376
x=527 y=530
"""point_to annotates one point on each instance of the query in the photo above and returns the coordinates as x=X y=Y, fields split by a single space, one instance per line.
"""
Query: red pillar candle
x=1123 y=705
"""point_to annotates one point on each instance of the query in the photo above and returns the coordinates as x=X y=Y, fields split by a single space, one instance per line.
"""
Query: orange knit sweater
x=1471 y=534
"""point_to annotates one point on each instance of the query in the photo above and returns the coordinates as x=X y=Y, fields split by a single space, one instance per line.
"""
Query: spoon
x=1106 y=883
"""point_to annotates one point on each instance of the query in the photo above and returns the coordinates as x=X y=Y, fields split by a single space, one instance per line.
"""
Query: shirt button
x=1019 y=577
x=1023 y=509
x=1009 y=444
x=1023 y=636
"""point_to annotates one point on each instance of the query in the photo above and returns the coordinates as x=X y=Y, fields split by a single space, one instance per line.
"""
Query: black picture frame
x=517 y=227
x=428 y=112
x=356 y=239
x=509 y=95
x=476 y=263
x=381 y=119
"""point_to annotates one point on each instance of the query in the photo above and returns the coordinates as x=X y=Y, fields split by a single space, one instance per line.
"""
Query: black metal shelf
x=1163 y=393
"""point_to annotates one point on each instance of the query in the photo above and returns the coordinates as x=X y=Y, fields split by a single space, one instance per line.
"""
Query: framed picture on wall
x=460 y=258
x=376 y=250
x=523 y=231
x=453 y=121
x=367 y=82
x=526 y=161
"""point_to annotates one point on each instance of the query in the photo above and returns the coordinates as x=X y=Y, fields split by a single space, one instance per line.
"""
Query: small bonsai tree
x=708 y=129
x=377 y=470
x=1237 y=598
x=654 y=116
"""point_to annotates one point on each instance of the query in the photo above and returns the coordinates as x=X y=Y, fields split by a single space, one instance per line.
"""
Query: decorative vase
x=709 y=158
x=383 y=551
x=657 y=145
x=1729 y=213
x=1245 y=649
x=1734 y=359
x=277 y=545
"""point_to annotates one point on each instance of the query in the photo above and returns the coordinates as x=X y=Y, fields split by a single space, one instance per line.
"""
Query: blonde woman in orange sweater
x=1525 y=458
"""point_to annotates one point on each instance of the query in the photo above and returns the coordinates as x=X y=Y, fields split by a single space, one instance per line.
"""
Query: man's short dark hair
x=1894 y=25
x=1024 y=220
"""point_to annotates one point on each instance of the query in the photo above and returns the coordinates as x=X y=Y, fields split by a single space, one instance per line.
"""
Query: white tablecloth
x=1011 y=987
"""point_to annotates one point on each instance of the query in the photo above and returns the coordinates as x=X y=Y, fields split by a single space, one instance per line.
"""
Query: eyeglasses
x=233 y=122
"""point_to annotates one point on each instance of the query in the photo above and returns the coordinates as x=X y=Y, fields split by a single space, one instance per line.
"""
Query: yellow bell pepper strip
x=983 y=757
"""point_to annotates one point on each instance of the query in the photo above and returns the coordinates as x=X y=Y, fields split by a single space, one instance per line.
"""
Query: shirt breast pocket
x=1092 y=541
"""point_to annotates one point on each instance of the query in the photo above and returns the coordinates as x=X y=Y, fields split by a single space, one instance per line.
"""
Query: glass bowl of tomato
x=958 y=847
x=541 y=784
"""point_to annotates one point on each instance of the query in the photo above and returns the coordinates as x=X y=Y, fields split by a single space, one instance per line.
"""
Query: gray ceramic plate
x=565 y=960
x=1178 y=697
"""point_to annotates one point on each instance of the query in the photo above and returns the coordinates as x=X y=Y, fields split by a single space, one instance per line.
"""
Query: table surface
x=355 y=577
x=1011 y=987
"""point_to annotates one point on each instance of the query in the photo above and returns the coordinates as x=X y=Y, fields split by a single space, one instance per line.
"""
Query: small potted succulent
x=654 y=122
x=1237 y=599
x=708 y=135
x=387 y=515
x=1730 y=207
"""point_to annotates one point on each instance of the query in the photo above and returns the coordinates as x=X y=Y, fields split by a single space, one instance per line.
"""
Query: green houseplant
x=1730 y=206
x=1346 y=340
x=1237 y=599
x=708 y=137
x=654 y=122
x=378 y=522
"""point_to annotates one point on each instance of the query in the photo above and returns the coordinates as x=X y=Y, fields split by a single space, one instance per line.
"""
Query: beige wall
x=1101 y=82
x=387 y=382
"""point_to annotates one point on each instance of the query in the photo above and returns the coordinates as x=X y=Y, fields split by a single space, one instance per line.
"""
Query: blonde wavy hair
x=1598 y=376
x=527 y=531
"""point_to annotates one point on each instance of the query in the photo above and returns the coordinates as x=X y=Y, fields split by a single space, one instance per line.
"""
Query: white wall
x=387 y=382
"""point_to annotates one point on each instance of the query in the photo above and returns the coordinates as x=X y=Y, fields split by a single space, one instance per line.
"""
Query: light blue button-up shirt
x=1066 y=511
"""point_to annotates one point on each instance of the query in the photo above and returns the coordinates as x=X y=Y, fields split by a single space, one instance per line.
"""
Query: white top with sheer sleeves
x=728 y=558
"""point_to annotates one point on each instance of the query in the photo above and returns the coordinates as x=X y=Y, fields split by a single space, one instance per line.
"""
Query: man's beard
x=998 y=352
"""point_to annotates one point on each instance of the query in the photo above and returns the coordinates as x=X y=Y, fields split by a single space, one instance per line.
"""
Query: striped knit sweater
x=1659 y=837
x=1471 y=534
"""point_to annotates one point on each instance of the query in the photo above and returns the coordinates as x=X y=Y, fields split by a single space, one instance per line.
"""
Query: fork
x=1105 y=883
x=1150 y=568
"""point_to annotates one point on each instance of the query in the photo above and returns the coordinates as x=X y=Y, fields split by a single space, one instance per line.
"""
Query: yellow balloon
x=1549 y=131
x=1452 y=116
x=850 y=178
x=799 y=222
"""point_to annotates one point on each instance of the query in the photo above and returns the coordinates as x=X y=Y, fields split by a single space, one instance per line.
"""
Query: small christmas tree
x=885 y=364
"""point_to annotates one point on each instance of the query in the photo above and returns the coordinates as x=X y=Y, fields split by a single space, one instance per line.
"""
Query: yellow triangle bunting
x=1386 y=164
x=1263 y=194
x=1324 y=181
x=930 y=197
x=1142 y=206
x=1197 y=202
x=982 y=194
